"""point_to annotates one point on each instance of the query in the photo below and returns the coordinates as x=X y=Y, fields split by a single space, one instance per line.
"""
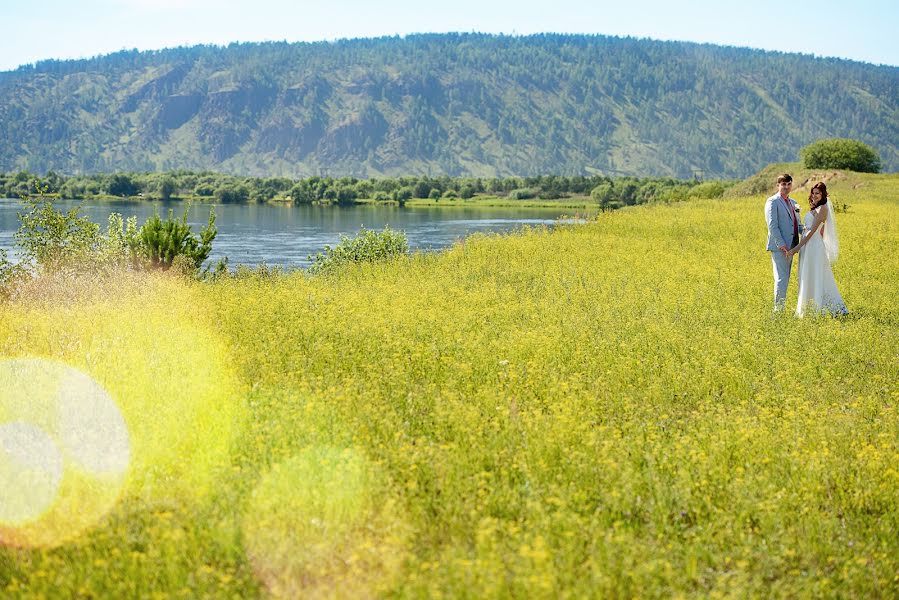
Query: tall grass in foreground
x=602 y=410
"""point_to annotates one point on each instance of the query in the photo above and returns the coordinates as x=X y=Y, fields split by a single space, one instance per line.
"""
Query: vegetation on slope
x=450 y=104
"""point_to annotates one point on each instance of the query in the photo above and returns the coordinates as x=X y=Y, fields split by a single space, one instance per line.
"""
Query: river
x=287 y=235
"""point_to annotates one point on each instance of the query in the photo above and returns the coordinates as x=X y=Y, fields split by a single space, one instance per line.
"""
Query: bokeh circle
x=64 y=452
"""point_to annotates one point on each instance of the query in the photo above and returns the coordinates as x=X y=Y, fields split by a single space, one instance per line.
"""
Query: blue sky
x=39 y=29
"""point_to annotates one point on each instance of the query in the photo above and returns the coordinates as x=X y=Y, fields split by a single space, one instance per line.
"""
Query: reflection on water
x=287 y=235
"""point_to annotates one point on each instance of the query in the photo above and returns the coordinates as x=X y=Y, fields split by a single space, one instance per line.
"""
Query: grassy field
x=602 y=410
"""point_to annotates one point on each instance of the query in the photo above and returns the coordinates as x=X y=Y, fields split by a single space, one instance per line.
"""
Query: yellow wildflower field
x=606 y=409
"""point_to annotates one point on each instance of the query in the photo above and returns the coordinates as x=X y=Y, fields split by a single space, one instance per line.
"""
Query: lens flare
x=64 y=452
x=321 y=524
x=30 y=472
x=151 y=341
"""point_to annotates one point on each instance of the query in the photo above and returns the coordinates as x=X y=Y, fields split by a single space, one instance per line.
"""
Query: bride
x=817 y=288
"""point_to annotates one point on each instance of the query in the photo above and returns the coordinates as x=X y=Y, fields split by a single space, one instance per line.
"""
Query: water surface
x=287 y=235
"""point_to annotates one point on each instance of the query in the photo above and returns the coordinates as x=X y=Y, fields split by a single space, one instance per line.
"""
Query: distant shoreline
x=480 y=201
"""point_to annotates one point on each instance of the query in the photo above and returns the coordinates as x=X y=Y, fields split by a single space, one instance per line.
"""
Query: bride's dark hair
x=823 y=189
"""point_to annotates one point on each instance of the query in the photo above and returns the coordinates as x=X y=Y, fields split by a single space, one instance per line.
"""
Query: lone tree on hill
x=841 y=153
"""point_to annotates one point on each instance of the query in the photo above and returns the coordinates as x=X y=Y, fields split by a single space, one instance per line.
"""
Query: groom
x=784 y=227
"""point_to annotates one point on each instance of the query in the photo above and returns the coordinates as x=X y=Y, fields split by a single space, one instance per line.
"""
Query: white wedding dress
x=818 y=291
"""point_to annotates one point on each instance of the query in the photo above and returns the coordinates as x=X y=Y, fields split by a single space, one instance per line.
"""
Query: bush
x=604 y=195
x=51 y=240
x=403 y=194
x=158 y=243
x=841 y=153
x=434 y=194
x=204 y=189
x=709 y=189
x=423 y=190
x=166 y=187
x=230 y=193
x=523 y=194
x=368 y=246
x=346 y=195
x=122 y=185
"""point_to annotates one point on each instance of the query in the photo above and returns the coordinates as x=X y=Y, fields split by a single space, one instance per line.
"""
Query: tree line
x=608 y=192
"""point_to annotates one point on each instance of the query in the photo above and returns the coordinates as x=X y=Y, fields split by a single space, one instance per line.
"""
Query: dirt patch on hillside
x=813 y=178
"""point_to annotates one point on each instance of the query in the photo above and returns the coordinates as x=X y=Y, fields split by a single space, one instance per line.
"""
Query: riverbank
x=485 y=201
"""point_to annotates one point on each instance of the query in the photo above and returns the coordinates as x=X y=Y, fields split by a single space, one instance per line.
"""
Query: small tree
x=121 y=185
x=50 y=239
x=158 y=243
x=841 y=153
x=346 y=194
x=603 y=195
x=166 y=187
x=423 y=190
x=403 y=194
x=231 y=193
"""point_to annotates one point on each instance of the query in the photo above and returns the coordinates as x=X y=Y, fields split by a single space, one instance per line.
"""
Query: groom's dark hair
x=785 y=178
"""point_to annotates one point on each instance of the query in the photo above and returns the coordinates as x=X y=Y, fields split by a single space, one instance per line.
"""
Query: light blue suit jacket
x=780 y=223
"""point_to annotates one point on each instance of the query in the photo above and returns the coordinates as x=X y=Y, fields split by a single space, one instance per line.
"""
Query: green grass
x=603 y=410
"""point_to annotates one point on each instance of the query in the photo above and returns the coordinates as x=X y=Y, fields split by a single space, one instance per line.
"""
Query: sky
x=34 y=30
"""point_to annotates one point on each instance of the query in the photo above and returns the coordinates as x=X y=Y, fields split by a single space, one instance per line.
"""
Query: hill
x=455 y=104
x=840 y=182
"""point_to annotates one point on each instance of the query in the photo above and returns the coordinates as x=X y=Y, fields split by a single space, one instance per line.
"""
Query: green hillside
x=454 y=104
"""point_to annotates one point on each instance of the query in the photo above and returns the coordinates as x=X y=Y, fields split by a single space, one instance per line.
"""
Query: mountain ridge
x=456 y=104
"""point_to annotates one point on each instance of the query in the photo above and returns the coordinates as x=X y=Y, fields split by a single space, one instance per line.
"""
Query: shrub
x=709 y=189
x=364 y=188
x=166 y=187
x=158 y=243
x=841 y=153
x=450 y=193
x=423 y=190
x=204 y=189
x=51 y=240
x=346 y=194
x=604 y=195
x=368 y=246
x=434 y=194
x=121 y=184
x=230 y=193
x=403 y=194
x=523 y=194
